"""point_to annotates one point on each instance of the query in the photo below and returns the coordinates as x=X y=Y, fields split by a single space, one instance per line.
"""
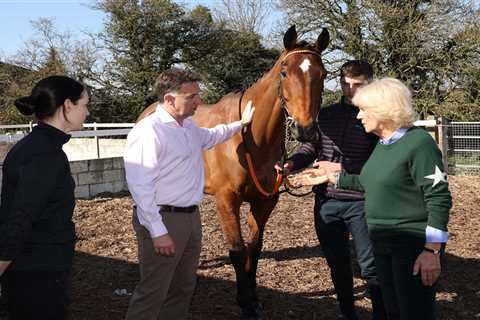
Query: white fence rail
x=459 y=141
x=13 y=133
x=22 y=129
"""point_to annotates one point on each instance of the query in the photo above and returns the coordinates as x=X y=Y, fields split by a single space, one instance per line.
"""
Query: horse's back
x=224 y=111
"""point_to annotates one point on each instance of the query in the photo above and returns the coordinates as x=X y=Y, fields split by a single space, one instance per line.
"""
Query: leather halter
x=301 y=51
x=281 y=177
x=283 y=104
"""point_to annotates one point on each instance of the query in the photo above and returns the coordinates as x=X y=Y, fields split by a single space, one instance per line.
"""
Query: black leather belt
x=167 y=208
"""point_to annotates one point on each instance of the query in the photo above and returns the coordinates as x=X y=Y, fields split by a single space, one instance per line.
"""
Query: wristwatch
x=434 y=251
x=336 y=176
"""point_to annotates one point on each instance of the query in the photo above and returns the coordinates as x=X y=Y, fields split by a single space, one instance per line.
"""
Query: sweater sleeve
x=426 y=169
x=37 y=181
x=350 y=182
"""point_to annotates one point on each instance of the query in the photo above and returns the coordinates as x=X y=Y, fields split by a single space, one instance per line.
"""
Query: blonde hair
x=389 y=100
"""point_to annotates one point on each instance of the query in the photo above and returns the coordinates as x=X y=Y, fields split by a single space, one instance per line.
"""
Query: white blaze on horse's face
x=305 y=65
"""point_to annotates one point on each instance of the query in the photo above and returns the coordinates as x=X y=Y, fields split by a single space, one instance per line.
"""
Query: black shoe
x=378 y=308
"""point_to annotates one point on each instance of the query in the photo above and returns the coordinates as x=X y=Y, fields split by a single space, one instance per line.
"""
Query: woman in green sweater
x=407 y=201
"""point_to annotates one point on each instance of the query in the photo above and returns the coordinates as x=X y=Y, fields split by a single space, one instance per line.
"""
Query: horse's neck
x=267 y=127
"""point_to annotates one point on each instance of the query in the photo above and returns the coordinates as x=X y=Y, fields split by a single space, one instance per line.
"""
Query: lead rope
x=288 y=187
x=251 y=169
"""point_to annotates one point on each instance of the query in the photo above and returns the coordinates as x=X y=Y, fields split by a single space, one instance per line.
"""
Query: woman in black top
x=37 y=235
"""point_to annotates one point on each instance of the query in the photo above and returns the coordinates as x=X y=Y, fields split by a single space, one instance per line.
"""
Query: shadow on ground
x=100 y=277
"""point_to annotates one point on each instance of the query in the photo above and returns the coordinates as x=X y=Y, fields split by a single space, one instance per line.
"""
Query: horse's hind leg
x=228 y=208
x=257 y=219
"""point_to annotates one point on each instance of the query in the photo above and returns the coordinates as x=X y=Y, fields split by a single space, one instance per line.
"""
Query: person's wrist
x=433 y=245
x=333 y=178
x=433 y=251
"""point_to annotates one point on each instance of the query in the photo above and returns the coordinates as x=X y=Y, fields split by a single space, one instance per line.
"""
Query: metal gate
x=463 y=147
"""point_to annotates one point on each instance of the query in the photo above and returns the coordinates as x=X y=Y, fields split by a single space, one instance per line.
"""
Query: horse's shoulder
x=223 y=111
x=228 y=100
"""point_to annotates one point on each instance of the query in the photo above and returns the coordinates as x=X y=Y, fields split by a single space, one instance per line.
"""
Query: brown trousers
x=167 y=283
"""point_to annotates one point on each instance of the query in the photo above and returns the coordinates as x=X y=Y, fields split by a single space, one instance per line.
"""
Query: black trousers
x=405 y=296
x=335 y=220
x=36 y=295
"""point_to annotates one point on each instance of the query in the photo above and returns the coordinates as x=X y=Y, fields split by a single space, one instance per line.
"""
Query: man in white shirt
x=165 y=175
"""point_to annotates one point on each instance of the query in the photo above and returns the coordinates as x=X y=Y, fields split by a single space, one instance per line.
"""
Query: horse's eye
x=283 y=74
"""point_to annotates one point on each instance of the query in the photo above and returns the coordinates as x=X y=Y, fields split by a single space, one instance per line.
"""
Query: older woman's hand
x=428 y=264
x=311 y=177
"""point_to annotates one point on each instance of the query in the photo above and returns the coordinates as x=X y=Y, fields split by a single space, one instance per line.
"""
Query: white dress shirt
x=432 y=234
x=164 y=164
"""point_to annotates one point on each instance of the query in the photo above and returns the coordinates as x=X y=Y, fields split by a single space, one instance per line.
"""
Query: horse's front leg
x=228 y=209
x=260 y=211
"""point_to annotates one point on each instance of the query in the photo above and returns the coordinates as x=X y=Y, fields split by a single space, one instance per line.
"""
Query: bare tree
x=431 y=45
x=245 y=15
x=48 y=52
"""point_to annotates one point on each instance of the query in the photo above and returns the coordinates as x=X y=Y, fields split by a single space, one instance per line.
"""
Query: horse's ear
x=323 y=40
x=290 y=38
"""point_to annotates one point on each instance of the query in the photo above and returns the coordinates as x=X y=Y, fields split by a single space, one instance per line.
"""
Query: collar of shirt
x=167 y=118
x=59 y=137
x=397 y=134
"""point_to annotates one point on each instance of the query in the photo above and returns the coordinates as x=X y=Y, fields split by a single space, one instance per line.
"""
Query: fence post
x=97 y=142
x=442 y=125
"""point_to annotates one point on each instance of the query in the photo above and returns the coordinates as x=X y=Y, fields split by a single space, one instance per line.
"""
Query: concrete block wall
x=86 y=148
x=96 y=176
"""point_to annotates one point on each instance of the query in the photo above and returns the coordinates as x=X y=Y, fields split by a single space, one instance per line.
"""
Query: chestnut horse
x=292 y=88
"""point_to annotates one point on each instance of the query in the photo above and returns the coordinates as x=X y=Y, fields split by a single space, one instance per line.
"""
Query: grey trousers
x=167 y=283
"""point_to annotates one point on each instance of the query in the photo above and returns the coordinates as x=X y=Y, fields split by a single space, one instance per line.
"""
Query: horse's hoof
x=252 y=312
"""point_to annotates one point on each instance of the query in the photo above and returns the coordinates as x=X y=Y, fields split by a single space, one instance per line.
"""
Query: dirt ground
x=293 y=278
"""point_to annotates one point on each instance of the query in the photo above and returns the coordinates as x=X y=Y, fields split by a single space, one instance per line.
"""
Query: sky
x=73 y=15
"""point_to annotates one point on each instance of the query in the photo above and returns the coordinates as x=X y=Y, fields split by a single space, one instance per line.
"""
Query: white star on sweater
x=437 y=176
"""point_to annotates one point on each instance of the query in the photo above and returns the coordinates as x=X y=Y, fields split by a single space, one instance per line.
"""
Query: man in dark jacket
x=343 y=146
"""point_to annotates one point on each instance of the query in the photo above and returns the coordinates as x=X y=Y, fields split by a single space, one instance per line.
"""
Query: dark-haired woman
x=37 y=235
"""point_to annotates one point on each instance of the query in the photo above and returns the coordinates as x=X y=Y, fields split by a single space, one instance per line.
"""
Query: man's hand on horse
x=247 y=114
x=286 y=168
x=312 y=177
x=329 y=166
x=164 y=245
